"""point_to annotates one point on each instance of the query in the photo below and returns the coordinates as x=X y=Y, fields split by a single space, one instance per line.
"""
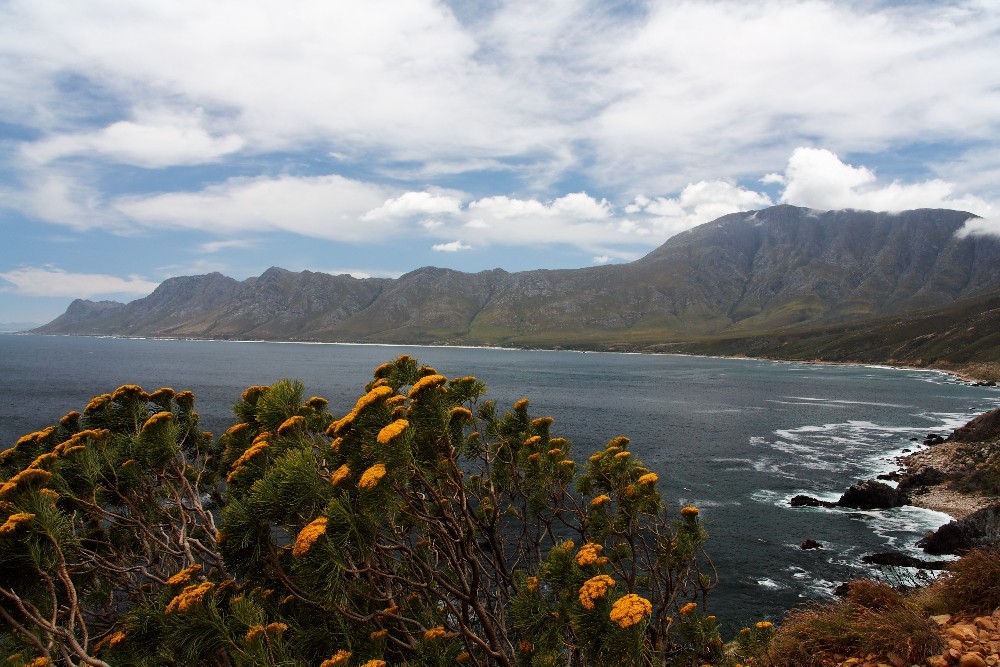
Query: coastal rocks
x=897 y=559
x=868 y=495
x=810 y=544
x=933 y=439
x=921 y=478
x=983 y=428
x=808 y=501
x=872 y=494
x=980 y=528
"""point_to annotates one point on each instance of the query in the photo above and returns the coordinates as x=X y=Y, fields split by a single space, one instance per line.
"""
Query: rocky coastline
x=958 y=476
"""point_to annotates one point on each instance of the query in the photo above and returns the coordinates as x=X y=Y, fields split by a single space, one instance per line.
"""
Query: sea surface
x=735 y=437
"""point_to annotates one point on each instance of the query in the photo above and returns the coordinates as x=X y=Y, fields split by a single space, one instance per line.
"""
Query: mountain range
x=745 y=276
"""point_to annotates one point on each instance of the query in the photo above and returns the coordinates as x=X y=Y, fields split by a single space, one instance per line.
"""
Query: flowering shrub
x=425 y=526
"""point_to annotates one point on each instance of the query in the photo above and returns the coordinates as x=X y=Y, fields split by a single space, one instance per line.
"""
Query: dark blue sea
x=737 y=438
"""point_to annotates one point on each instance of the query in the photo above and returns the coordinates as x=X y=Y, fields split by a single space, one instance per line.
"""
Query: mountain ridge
x=778 y=269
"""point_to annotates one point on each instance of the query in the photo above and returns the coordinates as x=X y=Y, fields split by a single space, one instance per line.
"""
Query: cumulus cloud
x=454 y=246
x=327 y=207
x=817 y=178
x=52 y=281
x=415 y=203
x=697 y=203
x=155 y=139
x=978 y=226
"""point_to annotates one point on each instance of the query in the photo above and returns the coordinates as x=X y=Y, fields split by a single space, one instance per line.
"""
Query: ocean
x=735 y=437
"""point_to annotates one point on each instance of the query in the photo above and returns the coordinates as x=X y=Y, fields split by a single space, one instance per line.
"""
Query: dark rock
x=890 y=476
x=914 y=439
x=984 y=427
x=871 y=494
x=809 y=501
x=897 y=559
x=922 y=477
x=842 y=590
x=810 y=544
x=907 y=450
x=933 y=439
x=979 y=529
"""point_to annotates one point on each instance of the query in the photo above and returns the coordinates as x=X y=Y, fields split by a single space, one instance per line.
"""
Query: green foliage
x=426 y=526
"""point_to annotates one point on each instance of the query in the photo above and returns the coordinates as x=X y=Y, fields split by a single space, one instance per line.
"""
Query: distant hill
x=782 y=269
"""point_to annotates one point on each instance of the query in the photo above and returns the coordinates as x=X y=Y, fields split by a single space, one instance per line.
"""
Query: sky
x=145 y=140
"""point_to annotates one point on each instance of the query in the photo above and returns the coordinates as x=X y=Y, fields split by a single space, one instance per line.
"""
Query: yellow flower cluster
x=525 y=646
x=275 y=628
x=307 y=536
x=184 y=576
x=117 y=638
x=371 y=477
x=623 y=455
x=542 y=422
x=689 y=512
x=596 y=456
x=555 y=451
x=395 y=400
x=15 y=520
x=43 y=459
x=594 y=589
x=629 y=610
x=463 y=657
x=78 y=440
x=260 y=443
x=191 y=596
x=620 y=441
x=340 y=474
x=27 y=477
x=236 y=429
x=374 y=396
x=157 y=419
x=40 y=662
x=338 y=658
x=764 y=625
x=251 y=394
x=567 y=462
x=97 y=403
x=392 y=431
x=434 y=633
x=589 y=555
x=521 y=404
x=460 y=412
x=533 y=457
x=532 y=584
x=427 y=382
x=374 y=663
x=254 y=632
x=532 y=441
x=290 y=424
x=648 y=479
x=317 y=402
x=128 y=391
x=378 y=634
x=599 y=500
x=689 y=608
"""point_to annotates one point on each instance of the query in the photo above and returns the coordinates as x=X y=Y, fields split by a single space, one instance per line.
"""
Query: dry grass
x=874 y=618
x=971 y=585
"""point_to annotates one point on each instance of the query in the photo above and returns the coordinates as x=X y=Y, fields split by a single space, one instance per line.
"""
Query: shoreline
x=940 y=497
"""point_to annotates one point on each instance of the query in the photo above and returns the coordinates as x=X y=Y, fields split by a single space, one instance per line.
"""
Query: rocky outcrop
x=899 y=559
x=981 y=429
x=979 y=529
x=872 y=494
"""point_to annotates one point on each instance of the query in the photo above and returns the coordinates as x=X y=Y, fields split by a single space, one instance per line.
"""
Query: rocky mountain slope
x=780 y=269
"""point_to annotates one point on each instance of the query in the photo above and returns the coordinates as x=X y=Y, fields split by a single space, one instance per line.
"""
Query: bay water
x=735 y=437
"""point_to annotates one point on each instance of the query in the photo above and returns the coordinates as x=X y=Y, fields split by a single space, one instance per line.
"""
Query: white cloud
x=601 y=259
x=978 y=226
x=327 y=207
x=415 y=203
x=817 y=178
x=155 y=139
x=216 y=246
x=454 y=246
x=52 y=281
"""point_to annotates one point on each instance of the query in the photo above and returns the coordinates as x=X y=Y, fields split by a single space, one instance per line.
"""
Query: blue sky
x=143 y=140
